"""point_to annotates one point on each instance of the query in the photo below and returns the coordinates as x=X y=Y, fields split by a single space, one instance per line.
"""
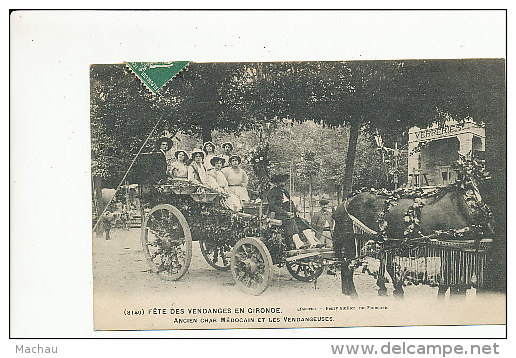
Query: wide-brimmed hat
x=324 y=201
x=195 y=151
x=215 y=159
x=205 y=144
x=176 y=154
x=279 y=178
x=169 y=141
x=227 y=143
x=235 y=156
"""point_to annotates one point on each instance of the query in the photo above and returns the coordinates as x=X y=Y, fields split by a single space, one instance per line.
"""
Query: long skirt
x=232 y=202
x=239 y=191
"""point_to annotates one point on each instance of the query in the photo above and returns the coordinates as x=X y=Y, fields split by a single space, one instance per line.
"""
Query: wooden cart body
x=248 y=243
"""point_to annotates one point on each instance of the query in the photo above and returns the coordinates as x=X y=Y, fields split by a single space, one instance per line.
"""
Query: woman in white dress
x=196 y=170
x=237 y=178
x=209 y=152
x=227 y=148
x=178 y=169
x=230 y=201
x=216 y=173
x=197 y=173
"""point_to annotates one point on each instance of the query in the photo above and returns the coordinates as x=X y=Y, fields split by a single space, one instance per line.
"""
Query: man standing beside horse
x=322 y=222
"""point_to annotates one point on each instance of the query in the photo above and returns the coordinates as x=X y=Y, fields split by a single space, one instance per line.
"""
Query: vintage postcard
x=298 y=194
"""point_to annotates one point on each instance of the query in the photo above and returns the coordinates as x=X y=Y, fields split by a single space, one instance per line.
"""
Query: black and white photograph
x=249 y=182
x=298 y=194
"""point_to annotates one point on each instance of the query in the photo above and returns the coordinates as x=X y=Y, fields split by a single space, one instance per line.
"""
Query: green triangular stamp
x=155 y=75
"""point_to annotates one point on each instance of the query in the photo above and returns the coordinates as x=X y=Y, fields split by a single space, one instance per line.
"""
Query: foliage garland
x=259 y=160
x=470 y=173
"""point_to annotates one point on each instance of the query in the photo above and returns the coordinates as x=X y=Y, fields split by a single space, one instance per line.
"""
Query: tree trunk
x=496 y=191
x=311 y=202
x=347 y=184
x=206 y=134
x=396 y=177
x=344 y=230
x=97 y=187
x=304 y=204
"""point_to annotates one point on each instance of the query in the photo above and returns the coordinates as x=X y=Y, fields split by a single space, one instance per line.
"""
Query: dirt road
x=119 y=264
x=123 y=283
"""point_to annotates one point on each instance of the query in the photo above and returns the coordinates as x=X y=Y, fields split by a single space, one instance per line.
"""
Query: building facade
x=433 y=150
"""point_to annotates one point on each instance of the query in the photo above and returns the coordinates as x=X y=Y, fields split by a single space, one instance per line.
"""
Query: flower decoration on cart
x=412 y=254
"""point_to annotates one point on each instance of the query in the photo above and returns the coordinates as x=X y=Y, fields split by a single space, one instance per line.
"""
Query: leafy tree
x=353 y=94
x=124 y=112
x=377 y=95
x=388 y=96
x=384 y=96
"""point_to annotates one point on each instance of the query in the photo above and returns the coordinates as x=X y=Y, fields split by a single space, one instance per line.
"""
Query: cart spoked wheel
x=216 y=254
x=307 y=269
x=167 y=242
x=251 y=265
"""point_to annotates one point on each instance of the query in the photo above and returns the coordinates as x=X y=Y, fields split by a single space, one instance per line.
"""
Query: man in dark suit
x=151 y=168
x=163 y=145
x=107 y=220
x=281 y=208
x=284 y=209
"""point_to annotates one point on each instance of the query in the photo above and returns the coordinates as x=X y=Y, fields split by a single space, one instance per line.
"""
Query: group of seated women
x=220 y=172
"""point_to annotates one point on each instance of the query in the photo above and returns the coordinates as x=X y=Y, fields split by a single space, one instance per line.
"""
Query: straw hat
x=208 y=143
x=215 y=159
x=324 y=201
x=227 y=143
x=279 y=178
x=169 y=142
x=176 y=154
x=235 y=156
x=196 y=151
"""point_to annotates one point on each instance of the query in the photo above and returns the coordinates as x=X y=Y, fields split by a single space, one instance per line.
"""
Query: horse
x=446 y=210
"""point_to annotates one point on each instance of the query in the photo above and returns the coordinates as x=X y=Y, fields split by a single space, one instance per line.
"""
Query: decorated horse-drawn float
x=247 y=242
x=433 y=236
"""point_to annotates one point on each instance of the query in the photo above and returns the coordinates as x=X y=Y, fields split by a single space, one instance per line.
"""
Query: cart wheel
x=306 y=270
x=167 y=242
x=251 y=265
x=217 y=255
